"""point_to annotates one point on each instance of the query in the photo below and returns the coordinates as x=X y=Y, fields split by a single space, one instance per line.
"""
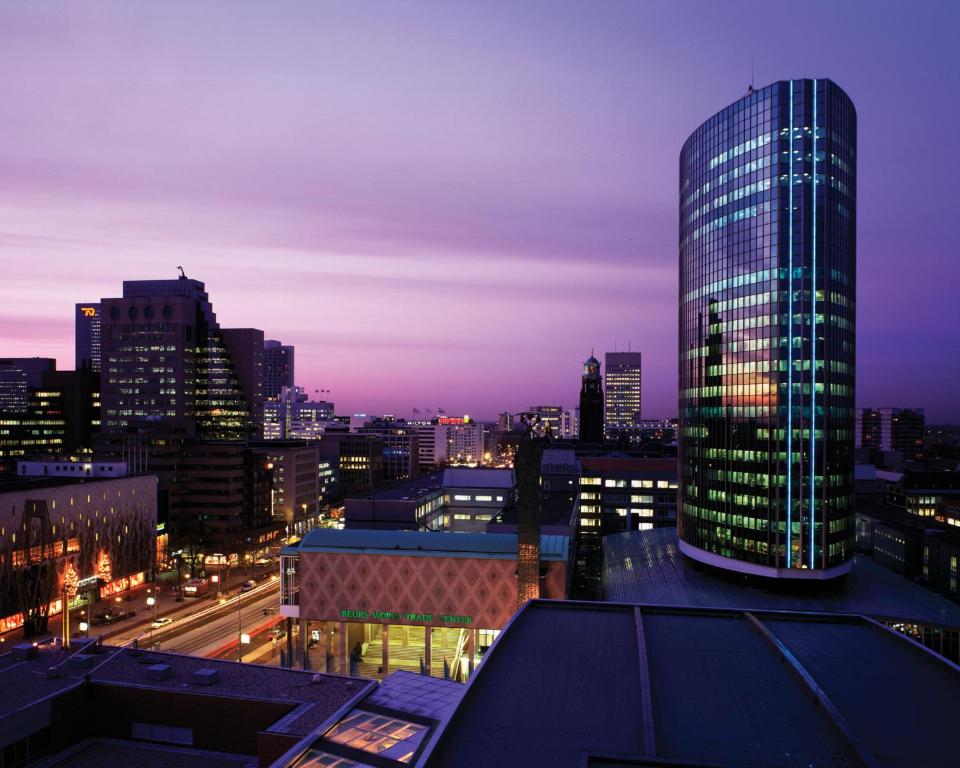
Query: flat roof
x=628 y=464
x=17 y=483
x=464 y=477
x=648 y=567
x=409 y=490
x=423 y=544
x=98 y=752
x=570 y=684
x=25 y=683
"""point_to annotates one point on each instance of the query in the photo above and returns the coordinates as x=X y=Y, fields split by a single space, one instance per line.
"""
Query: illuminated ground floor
x=374 y=650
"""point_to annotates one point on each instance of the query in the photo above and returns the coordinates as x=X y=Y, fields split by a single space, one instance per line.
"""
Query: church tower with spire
x=591 y=402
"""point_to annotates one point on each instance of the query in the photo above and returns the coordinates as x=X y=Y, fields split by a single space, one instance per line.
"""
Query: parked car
x=248 y=585
x=161 y=622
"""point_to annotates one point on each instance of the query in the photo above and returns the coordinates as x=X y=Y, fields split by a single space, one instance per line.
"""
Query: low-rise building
x=418 y=600
x=85 y=539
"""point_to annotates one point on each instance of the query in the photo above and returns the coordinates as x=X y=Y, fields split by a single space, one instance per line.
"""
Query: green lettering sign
x=408 y=616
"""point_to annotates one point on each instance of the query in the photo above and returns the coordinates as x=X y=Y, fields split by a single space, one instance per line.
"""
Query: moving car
x=161 y=622
x=248 y=585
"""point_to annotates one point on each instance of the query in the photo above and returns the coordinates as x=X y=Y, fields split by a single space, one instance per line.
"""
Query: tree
x=104 y=572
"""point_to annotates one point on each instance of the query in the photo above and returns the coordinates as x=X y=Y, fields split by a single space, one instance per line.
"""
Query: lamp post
x=242 y=639
x=152 y=603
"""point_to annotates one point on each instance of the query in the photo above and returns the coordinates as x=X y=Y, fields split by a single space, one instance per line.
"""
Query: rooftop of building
x=648 y=567
x=586 y=684
x=478 y=477
x=116 y=753
x=390 y=727
x=12 y=483
x=412 y=489
x=311 y=698
x=624 y=463
x=557 y=508
x=502 y=546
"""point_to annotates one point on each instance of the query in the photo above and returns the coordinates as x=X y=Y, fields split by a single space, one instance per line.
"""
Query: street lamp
x=152 y=603
x=85 y=628
x=243 y=638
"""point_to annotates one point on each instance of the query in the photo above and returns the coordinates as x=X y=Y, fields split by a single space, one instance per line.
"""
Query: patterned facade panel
x=555 y=583
x=485 y=591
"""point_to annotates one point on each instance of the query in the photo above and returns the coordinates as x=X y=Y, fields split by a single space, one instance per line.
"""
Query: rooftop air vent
x=205 y=676
x=159 y=672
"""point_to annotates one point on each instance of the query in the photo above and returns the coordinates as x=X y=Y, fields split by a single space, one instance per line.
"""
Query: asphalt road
x=209 y=630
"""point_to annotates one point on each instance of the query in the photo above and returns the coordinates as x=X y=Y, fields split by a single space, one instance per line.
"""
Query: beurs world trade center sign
x=404 y=616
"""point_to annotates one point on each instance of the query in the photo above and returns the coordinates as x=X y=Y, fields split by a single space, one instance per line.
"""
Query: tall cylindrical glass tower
x=767 y=333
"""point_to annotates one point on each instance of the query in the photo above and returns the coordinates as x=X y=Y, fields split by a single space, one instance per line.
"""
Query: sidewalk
x=136 y=599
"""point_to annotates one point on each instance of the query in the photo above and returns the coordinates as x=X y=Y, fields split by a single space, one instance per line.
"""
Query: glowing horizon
x=445 y=206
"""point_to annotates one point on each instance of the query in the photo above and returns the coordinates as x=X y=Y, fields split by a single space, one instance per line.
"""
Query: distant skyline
x=449 y=205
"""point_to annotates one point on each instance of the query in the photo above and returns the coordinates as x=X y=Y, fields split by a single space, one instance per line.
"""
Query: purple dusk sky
x=450 y=203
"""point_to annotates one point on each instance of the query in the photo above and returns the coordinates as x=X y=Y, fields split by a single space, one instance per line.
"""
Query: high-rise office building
x=591 y=402
x=891 y=429
x=767 y=297
x=277 y=368
x=165 y=360
x=621 y=393
x=505 y=421
x=19 y=375
x=292 y=417
x=87 y=336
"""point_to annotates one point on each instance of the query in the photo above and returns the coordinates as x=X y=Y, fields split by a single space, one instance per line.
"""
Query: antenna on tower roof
x=183 y=275
x=750 y=89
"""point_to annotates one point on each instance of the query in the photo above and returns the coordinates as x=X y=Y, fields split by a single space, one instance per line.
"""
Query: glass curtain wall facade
x=767 y=291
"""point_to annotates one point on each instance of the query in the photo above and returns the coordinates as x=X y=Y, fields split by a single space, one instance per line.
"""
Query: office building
x=245 y=349
x=291 y=416
x=18 y=375
x=78 y=396
x=891 y=429
x=87 y=336
x=278 y=371
x=621 y=393
x=401 y=447
x=359 y=461
x=591 y=402
x=220 y=501
x=505 y=421
x=301 y=482
x=166 y=361
x=767 y=341
x=39 y=430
